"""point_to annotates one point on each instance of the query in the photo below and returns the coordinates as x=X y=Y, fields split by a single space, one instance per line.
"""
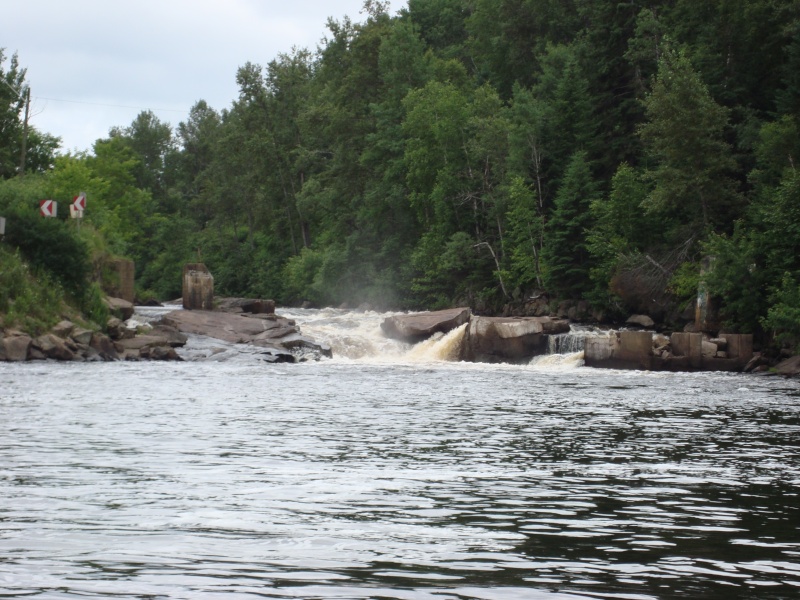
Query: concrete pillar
x=740 y=346
x=124 y=270
x=636 y=347
x=689 y=345
x=198 y=287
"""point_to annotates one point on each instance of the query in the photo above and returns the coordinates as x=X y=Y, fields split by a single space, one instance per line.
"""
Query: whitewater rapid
x=357 y=336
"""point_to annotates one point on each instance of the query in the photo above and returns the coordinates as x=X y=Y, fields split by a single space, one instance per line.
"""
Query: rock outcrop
x=416 y=327
x=789 y=367
x=509 y=339
x=254 y=306
x=279 y=337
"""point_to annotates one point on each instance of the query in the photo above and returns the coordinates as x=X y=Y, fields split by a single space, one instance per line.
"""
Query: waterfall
x=566 y=343
x=357 y=336
x=439 y=346
x=564 y=350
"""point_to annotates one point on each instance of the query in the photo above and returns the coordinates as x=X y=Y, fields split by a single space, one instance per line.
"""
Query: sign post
x=48 y=208
x=80 y=201
x=77 y=207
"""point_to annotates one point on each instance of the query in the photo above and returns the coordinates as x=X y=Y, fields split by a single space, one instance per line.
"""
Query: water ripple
x=342 y=480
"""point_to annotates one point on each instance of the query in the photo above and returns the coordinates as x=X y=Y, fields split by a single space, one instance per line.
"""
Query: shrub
x=49 y=246
x=783 y=317
x=28 y=299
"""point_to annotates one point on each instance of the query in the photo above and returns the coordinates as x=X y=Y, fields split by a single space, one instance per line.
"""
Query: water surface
x=398 y=477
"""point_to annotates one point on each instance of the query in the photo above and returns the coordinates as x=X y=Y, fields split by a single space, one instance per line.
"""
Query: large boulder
x=117 y=330
x=416 y=327
x=150 y=347
x=16 y=347
x=256 y=306
x=789 y=367
x=509 y=339
x=63 y=328
x=53 y=347
x=120 y=308
x=81 y=335
x=641 y=321
x=173 y=337
x=104 y=347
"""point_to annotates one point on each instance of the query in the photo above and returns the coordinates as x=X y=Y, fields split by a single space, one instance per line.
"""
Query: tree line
x=474 y=152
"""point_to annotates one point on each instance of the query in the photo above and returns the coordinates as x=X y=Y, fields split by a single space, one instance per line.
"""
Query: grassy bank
x=33 y=300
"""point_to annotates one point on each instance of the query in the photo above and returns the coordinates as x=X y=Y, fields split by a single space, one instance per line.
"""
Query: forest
x=460 y=152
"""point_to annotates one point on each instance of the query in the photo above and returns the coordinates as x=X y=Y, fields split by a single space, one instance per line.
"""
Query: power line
x=111 y=105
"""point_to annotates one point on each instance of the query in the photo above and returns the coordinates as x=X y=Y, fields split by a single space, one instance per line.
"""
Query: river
x=393 y=472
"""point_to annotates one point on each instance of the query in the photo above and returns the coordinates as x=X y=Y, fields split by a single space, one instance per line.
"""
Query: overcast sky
x=96 y=64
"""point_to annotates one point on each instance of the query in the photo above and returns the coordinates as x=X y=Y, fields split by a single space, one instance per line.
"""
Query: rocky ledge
x=415 y=327
x=237 y=320
x=486 y=339
x=279 y=337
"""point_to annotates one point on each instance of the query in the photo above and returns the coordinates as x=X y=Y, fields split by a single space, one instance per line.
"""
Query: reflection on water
x=354 y=479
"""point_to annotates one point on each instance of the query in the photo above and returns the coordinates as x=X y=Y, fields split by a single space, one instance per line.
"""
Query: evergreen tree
x=685 y=138
x=566 y=253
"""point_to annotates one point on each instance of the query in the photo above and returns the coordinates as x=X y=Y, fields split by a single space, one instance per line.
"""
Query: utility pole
x=25 y=132
x=27 y=100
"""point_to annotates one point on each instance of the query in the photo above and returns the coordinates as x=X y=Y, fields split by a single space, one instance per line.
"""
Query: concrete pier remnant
x=124 y=273
x=198 y=287
x=685 y=351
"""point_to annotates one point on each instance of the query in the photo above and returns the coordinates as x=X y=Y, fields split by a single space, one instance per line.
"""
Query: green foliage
x=22 y=194
x=684 y=136
x=467 y=152
x=736 y=278
x=40 y=148
x=777 y=149
x=525 y=236
x=567 y=257
x=49 y=245
x=300 y=275
x=93 y=305
x=685 y=281
x=30 y=300
x=783 y=316
x=619 y=230
x=448 y=271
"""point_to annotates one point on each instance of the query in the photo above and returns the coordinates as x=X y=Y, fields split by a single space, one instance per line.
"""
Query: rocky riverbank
x=485 y=339
x=235 y=320
x=69 y=341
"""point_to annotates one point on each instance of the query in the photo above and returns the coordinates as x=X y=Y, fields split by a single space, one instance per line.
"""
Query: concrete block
x=740 y=346
x=599 y=348
x=635 y=346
